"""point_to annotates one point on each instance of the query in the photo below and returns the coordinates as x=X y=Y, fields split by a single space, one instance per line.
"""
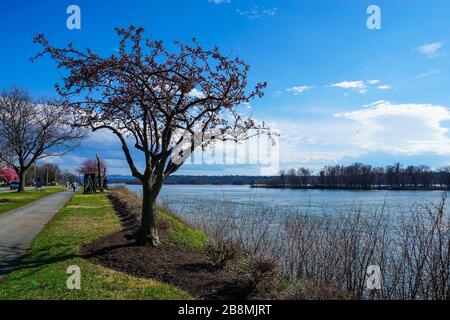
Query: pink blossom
x=7 y=175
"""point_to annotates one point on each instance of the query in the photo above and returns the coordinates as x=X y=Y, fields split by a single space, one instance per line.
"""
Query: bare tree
x=305 y=176
x=31 y=130
x=91 y=166
x=151 y=98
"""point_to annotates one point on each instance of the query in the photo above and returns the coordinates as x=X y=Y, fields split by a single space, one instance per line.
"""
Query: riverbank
x=187 y=257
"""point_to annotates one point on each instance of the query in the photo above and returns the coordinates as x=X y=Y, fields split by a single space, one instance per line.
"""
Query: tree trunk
x=149 y=230
x=99 y=175
x=21 y=174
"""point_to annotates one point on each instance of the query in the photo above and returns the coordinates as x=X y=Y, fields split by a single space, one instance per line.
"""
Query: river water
x=186 y=198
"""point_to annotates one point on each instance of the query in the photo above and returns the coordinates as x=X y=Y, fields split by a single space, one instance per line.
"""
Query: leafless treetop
x=31 y=130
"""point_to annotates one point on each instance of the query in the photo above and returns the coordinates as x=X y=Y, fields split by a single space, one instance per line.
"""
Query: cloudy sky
x=338 y=92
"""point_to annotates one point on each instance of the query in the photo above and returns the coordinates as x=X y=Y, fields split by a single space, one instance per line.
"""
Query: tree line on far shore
x=362 y=176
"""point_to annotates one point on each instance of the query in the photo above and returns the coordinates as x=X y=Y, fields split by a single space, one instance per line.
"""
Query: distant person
x=67 y=186
x=38 y=184
x=74 y=186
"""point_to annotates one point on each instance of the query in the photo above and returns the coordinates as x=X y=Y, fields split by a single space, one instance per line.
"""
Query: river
x=184 y=199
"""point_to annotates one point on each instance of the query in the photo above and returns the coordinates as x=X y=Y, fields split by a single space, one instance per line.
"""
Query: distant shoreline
x=261 y=186
x=380 y=188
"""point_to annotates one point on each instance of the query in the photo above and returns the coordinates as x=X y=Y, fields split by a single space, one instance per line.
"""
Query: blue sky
x=338 y=92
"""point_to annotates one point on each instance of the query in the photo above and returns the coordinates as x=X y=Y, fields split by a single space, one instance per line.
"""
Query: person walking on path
x=74 y=186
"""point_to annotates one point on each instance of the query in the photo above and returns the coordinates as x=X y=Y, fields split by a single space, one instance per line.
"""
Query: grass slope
x=42 y=274
x=13 y=200
x=182 y=234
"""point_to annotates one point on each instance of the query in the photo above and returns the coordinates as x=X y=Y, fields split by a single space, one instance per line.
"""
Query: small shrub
x=310 y=290
x=262 y=273
x=221 y=252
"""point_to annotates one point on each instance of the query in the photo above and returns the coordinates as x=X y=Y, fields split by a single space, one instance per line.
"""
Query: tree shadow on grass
x=12 y=258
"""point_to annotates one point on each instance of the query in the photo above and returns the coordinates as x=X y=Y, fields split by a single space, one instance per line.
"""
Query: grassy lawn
x=42 y=274
x=182 y=235
x=13 y=200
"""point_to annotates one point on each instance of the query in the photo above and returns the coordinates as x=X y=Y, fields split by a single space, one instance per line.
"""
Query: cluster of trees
x=49 y=174
x=361 y=176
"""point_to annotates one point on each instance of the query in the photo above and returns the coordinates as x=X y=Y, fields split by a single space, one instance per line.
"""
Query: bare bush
x=221 y=252
x=310 y=290
x=326 y=256
x=422 y=268
x=261 y=271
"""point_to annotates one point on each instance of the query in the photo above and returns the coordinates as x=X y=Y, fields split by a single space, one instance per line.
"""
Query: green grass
x=42 y=274
x=183 y=235
x=14 y=199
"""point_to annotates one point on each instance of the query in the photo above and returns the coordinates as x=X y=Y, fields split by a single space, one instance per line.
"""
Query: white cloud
x=196 y=93
x=384 y=127
x=313 y=143
x=257 y=12
x=101 y=137
x=373 y=82
x=349 y=85
x=363 y=91
x=430 y=50
x=359 y=86
x=406 y=129
x=298 y=89
x=428 y=74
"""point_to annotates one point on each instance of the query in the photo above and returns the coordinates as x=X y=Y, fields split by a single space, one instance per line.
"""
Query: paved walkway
x=20 y=226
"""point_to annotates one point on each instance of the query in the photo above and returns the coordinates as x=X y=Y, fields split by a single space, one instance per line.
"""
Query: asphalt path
x=20 y=226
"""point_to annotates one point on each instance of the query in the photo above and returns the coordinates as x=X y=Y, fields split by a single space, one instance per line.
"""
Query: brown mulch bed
x=187 y=269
